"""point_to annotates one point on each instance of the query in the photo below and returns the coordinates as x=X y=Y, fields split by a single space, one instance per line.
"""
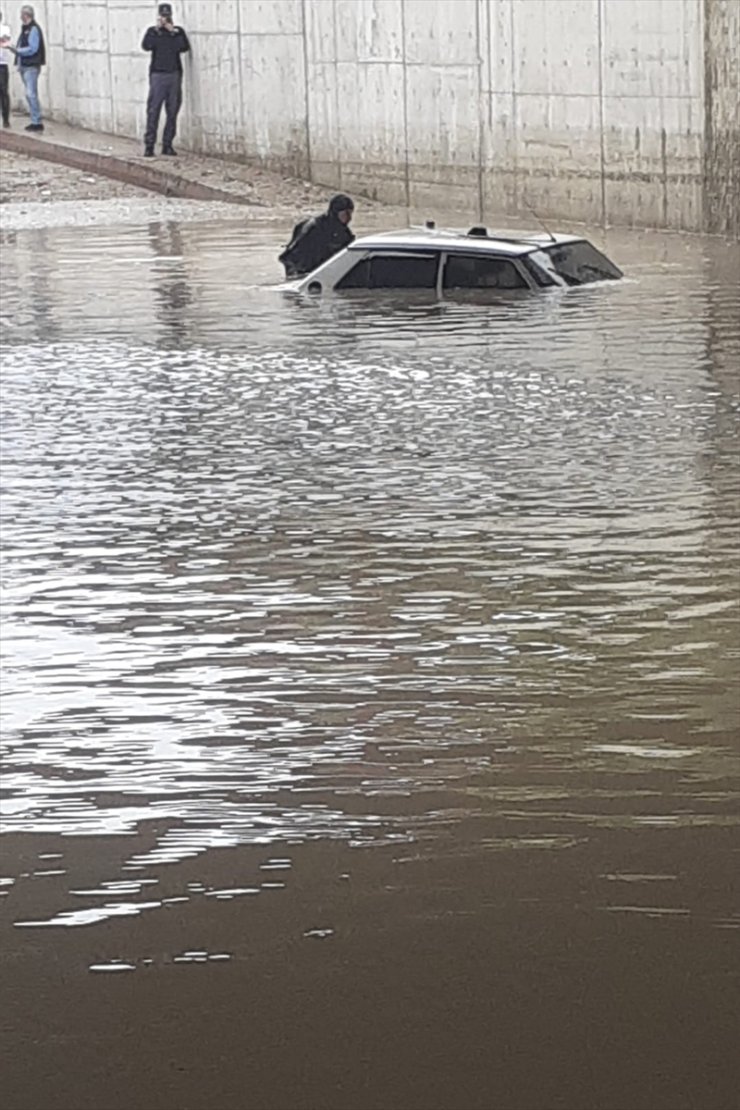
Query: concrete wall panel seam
x=306 y=90
x=602 y=137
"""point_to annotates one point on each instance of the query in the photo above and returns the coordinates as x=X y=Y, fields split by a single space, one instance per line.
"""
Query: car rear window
x=580 y=263
x=466 y=271
x=393 y=271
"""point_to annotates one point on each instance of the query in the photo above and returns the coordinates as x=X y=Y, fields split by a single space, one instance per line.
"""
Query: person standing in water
x=319 y=238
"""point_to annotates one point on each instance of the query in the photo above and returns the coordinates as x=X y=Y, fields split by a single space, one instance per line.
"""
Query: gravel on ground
x=24 y=179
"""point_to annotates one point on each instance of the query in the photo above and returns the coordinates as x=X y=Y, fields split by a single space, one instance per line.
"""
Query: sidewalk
x=193 y=176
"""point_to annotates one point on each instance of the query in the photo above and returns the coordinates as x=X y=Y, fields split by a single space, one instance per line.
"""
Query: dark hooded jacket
x=317 y=239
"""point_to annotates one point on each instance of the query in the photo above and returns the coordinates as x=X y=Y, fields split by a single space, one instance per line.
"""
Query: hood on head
x=340 y=203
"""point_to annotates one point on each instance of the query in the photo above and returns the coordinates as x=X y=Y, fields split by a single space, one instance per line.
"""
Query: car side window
x=533 y=268
x=356 y=278
x=467 y=271
x=392 y=271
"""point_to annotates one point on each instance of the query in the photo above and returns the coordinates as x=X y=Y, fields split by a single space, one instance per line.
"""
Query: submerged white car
x=445 y=261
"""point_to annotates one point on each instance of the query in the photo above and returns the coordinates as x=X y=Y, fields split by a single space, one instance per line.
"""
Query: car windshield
x=579 y=263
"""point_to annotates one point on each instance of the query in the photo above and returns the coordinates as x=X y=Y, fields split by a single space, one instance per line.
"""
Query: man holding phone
x=166 y=43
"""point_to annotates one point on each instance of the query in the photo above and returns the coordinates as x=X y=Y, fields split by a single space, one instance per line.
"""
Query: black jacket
x=313 y=242
x=166 y=48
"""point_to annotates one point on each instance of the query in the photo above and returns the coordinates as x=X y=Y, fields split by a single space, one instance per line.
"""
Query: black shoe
x=170 y=151
x=148 y=151
x=6 y=123
x=34 y=127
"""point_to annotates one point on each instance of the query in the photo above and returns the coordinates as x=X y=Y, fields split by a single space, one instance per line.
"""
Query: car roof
x=503 y=242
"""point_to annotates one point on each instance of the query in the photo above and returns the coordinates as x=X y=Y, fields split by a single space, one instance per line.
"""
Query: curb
x=119 y=169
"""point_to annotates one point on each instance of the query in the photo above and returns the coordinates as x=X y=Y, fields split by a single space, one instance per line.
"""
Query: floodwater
x=370 y=701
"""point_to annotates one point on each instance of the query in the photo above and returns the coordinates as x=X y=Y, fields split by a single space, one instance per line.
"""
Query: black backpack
x=299 y=231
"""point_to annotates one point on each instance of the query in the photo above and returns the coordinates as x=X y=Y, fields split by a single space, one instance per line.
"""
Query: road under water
x=370 y=703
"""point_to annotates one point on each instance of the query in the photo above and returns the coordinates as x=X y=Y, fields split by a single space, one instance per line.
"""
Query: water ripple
x=277 y=571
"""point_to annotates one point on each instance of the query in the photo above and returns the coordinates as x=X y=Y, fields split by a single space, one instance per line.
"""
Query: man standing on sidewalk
x=4 y=71
x=30 y=56
x=166 y=43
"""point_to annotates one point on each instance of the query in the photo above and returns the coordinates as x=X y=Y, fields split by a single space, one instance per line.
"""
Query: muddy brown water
x=370 y=701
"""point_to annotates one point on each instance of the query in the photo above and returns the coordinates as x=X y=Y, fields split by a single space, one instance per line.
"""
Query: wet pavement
x=370 y=714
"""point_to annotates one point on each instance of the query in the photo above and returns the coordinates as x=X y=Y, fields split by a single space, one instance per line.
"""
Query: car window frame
x=394 y=252
x=497 y=256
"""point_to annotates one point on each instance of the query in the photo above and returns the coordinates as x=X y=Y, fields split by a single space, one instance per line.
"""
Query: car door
x=482 y=271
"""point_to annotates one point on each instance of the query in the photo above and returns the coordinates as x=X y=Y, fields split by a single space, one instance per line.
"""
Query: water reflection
x=172 y=287
x=284 y=570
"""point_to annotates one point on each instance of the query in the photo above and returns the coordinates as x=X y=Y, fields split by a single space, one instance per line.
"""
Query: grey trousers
x=164 y=88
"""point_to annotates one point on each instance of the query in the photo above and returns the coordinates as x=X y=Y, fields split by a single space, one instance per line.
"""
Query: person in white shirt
x=4 y=71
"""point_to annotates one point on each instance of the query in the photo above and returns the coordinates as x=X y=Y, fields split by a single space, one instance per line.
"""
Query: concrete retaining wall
x=607 y=111
x=722 y=116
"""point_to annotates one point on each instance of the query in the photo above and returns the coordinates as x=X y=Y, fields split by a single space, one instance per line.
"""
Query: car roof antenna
x=540 y=221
